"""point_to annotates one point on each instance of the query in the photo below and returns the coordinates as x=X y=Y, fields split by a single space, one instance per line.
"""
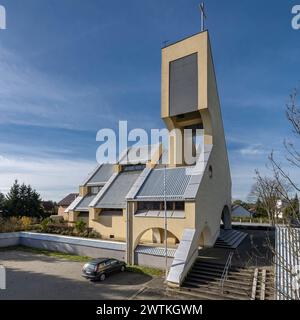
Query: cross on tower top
x=203 y=15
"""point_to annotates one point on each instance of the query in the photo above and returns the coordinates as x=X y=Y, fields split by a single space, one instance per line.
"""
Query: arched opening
x=156 y=236
x=204 y=237
x=226 y=218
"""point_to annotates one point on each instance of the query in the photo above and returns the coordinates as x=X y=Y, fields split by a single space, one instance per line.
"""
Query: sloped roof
x=239 y=211
x=103 y=174
x=139 y=154
x=115 y=196
x=66 y=201
x=84 y=203
x=100 y=175
x=176 y=183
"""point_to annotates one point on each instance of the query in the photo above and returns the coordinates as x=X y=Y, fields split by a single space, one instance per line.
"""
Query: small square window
x=95 y=190
x=169 y=205
x=179 y=206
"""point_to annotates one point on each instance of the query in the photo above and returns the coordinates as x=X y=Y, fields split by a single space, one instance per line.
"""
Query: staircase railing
x=226 y=270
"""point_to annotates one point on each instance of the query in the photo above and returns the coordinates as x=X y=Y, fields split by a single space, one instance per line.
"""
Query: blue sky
x=71 y=67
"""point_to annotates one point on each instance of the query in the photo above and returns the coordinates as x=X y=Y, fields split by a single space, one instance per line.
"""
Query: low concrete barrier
x=73 y=245
x=9 y=239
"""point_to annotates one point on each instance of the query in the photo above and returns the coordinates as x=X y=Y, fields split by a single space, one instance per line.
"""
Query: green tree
x=259 y=210
x=13 y=200
x=292 y=208
x=22 y=200
x=2 y=202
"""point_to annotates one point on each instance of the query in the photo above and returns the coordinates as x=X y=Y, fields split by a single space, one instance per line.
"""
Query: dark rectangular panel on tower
x=184 y=85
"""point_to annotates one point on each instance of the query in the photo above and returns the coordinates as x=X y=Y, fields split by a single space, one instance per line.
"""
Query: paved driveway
x=35 y=276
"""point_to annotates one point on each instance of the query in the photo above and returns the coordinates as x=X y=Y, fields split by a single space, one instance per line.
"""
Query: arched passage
x=226 y=218
x=155 y=236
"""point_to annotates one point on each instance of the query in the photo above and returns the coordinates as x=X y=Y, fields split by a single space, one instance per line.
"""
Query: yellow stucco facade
x=111 y=227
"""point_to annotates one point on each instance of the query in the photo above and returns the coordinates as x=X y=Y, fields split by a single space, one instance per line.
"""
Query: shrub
x=14 y=221
x=94 y=235
x=44 y=224
x=26 y=222
x=14 y=224
x=10 y=225
x=80 y=226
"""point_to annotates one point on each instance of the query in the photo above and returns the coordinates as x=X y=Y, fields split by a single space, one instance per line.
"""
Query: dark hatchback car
x=99 y=269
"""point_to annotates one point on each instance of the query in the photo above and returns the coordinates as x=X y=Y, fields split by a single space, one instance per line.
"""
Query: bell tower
x=189 y=98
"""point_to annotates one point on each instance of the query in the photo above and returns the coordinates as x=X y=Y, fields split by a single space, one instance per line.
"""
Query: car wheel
x=122 y=268
x=102 y=277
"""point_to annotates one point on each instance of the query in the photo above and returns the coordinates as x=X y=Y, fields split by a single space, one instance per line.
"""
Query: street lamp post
x=166 y=223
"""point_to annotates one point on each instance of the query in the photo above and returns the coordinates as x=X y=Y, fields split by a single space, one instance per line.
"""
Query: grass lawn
x=72 y=257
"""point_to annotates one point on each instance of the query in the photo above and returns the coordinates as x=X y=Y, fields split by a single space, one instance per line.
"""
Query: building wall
x=83 y=217
x=139 y=227
x=214 y=193
x=61 y=212
x=108 y=225
x=151 y=261
x=83 y=191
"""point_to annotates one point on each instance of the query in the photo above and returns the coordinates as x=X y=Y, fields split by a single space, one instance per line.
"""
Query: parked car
x=99 y=269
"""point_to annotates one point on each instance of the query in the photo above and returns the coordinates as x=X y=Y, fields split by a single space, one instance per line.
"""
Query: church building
x=125 y=202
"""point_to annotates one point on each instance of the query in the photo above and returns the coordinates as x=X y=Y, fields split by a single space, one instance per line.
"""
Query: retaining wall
x=85 y=247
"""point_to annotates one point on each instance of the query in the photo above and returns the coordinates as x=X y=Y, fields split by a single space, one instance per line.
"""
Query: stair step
x=243 y=273
x=230 y=239
x=217 y=294
x=207 y=264
x=217 y=289
x=202 y=295
x=218 y=275
x=238 y=241
x=216 y=286
x=206 y=280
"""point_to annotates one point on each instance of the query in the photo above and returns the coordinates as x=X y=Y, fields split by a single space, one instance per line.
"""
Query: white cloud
x=243 y=175
x=253 y=150
x=52 y=178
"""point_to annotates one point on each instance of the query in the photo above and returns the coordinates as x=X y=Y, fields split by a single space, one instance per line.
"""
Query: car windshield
x=90 y=267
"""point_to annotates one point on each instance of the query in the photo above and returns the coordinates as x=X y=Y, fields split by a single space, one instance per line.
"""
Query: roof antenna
x=203 y=15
